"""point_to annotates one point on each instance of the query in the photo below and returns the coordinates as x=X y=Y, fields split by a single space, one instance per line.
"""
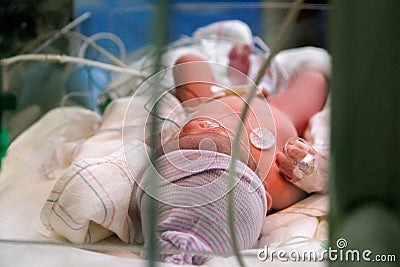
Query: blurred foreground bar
x=365 y=169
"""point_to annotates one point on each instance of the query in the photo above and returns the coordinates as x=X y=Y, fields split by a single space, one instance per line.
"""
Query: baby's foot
x=239 y=60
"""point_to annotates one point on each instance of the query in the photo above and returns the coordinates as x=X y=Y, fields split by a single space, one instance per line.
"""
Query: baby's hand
x=295 y=152
x=301 y=165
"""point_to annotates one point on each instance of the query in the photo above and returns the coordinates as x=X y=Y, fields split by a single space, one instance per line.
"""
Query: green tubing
x=159 y=39
x=4 y=142
x=365 y=169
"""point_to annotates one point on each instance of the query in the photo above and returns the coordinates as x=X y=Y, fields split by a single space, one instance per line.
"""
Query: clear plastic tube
x=69 y=59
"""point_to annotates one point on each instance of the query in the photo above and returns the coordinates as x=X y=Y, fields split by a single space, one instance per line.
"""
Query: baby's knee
x=188 y=58
x=317 y=81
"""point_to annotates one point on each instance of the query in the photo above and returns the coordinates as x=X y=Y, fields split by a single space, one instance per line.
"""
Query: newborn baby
x=192 y=167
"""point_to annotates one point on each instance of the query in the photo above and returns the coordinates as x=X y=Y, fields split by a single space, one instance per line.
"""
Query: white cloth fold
x=90 y=201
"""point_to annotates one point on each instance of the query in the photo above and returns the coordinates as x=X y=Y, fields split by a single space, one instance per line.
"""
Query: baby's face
x=199 y=125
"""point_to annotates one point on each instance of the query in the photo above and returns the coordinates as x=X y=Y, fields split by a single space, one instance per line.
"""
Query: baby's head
x=192 y=195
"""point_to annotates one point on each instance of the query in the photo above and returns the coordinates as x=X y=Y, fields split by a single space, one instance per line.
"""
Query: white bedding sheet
x=24 y=188
x=50 y=256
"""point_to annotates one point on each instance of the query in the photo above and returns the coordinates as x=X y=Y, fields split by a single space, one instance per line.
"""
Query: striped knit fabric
x=192 y=188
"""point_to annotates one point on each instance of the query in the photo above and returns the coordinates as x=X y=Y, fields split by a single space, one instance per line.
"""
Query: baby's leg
x=193 y=78
x=304 y=97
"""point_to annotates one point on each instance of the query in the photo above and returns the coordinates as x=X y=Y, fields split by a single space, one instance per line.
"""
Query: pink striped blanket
x=90 y=201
